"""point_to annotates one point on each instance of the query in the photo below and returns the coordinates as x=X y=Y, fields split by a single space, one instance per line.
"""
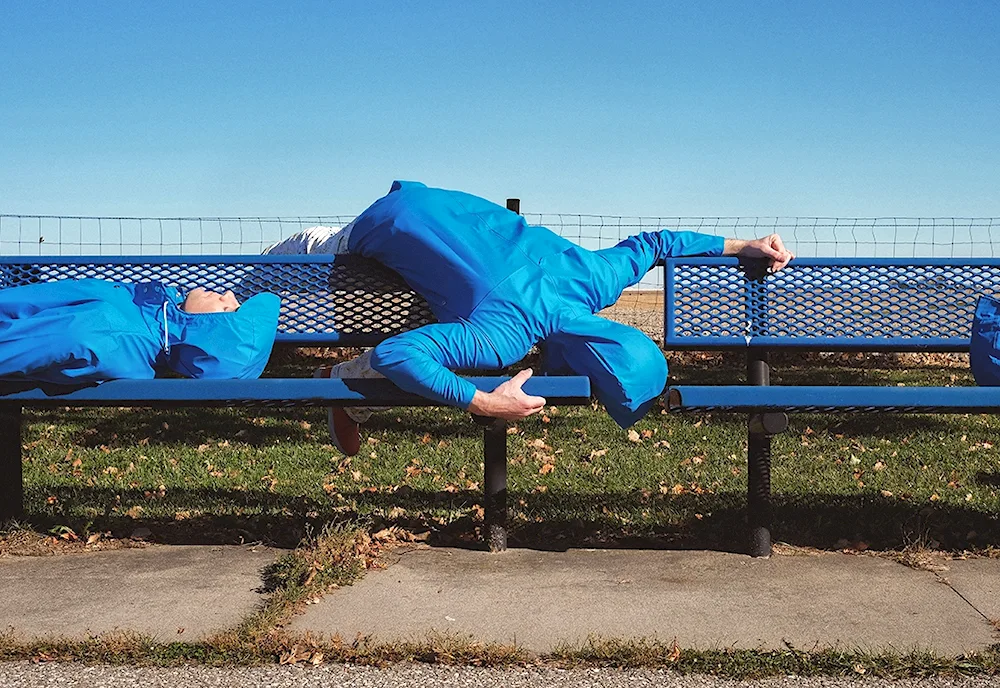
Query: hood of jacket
x=210 y=345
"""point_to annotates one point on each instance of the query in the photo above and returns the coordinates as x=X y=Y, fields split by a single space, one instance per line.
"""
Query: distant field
x=642 y=309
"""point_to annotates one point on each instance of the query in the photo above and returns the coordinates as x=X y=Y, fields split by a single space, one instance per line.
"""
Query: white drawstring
x=166 y=337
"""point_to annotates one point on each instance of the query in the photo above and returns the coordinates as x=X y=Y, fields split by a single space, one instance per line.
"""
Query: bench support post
x=758 y=462
x=11 y=478
x=495 y=483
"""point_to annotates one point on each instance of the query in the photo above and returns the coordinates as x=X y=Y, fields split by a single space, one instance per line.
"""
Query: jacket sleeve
x=421 y=361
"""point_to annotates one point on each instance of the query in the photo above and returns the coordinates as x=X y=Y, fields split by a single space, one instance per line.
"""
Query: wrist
x=480 y=404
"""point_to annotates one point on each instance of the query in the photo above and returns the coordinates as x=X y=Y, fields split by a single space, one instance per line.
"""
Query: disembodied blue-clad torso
x=90 y=330
x=499 y=286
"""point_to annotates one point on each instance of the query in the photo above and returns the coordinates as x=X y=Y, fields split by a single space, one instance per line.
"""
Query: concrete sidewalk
x=536 y=599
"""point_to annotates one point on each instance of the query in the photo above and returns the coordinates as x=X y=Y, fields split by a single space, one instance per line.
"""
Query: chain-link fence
x=27 y=235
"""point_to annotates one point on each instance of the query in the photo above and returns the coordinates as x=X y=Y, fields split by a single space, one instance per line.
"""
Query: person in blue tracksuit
x=79 y=331
x=498 y=286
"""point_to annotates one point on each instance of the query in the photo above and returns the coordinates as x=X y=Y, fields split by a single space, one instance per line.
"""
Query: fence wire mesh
x=642 y=307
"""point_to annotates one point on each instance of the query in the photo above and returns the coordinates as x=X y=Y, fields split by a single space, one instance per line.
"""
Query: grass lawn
x=885 y=482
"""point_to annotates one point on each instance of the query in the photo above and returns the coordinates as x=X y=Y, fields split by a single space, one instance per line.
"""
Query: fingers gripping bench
x=336 y=301
x=820 y=304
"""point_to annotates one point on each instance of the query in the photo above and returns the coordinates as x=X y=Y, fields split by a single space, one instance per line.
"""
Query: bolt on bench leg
x=11 y=479
x=495 y=483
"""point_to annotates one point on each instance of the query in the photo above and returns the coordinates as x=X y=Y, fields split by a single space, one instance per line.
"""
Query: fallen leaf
x=633 y=436
x=546 y=468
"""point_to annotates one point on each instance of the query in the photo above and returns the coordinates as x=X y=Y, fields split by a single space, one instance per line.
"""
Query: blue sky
x=632 y=108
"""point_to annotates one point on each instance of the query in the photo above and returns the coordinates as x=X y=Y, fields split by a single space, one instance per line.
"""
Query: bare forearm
x=732 y=247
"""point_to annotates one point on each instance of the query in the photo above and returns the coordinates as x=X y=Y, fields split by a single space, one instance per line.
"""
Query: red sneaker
x=344 y=432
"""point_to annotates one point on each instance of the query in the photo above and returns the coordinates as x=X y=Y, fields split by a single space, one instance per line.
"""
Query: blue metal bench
x=326 y=301
x=820 y=304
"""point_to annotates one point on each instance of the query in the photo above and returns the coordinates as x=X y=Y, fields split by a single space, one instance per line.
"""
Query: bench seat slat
x=806 y=398
x=574 y=390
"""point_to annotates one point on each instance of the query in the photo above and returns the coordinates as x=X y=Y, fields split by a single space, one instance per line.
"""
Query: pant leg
x=314 y=240
x=358 y=367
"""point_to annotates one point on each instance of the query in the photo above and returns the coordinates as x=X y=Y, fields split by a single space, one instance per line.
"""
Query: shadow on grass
x=548 y=521
x=255 y=427
x=991 y=479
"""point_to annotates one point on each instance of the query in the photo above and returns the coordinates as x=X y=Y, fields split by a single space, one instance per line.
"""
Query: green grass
x=226 y=475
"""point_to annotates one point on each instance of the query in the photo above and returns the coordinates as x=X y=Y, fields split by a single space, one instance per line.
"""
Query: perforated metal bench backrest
x=325 y=300
x=827 y=303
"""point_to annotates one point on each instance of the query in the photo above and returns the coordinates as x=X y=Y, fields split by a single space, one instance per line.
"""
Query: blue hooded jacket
x=90 y=330
x=498 y=286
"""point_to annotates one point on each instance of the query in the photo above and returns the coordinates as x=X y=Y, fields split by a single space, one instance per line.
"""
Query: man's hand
x=766 y=247
x=507 y=401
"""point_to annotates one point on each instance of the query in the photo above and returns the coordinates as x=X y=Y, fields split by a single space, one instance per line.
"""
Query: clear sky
x=632 y=108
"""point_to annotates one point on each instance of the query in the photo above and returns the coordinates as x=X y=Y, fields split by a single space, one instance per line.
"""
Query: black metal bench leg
x=758 y=463
x=759 y=492
x=11 y=477
x=495 y=483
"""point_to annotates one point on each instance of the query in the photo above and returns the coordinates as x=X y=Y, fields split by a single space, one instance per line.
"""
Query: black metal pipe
x=758 y=462
x=495 y=483
x=11 y=477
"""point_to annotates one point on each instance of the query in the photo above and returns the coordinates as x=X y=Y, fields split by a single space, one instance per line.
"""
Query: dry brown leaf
x=633 y=436
x=546 y=468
